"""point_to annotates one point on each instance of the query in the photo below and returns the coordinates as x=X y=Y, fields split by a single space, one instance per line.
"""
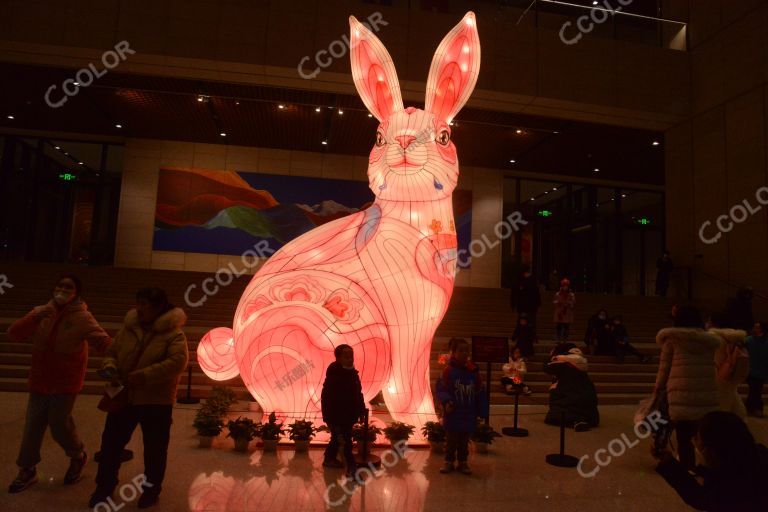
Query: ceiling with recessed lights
x=215 y=112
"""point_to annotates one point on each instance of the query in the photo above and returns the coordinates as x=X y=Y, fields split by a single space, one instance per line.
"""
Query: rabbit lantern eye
x=443 y=137
x=380 y=141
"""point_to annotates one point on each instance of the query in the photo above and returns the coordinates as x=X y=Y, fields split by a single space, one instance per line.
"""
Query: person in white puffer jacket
x=687 y=374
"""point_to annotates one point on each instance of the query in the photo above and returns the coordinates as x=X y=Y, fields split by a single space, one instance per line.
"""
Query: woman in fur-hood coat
x=687 y=371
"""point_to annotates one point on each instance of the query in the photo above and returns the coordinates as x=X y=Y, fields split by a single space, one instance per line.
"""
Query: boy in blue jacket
x=461 y=392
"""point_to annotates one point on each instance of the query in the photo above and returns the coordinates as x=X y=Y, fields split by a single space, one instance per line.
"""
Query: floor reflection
x=289 y=480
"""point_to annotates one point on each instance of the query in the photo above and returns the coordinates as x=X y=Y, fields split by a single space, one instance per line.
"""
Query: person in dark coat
x=524 y=336
x=461 y=392
x=739 y=310
x=734 y=468
x=343 y=405
x=757 y=346
x=572 y=396
x=606 y=343
x=621 y=341
x=664 y=267
x=595 y=326
x=526 y=297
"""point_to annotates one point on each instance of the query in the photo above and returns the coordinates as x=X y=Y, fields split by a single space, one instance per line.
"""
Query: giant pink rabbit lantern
x=379 y=280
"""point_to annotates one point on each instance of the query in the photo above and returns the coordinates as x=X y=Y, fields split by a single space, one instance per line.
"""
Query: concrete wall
x=143 y=158
x=717 y=158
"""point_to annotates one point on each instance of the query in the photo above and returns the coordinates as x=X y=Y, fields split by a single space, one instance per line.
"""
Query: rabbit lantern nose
x=405 y=140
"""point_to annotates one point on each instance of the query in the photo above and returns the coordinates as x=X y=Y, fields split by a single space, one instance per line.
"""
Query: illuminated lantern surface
x=379 y=280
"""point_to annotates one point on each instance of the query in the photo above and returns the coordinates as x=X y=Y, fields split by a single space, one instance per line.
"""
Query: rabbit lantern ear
x=374 y=72
x=454 y=70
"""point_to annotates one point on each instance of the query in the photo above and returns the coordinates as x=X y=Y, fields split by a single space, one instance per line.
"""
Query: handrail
x=691 y=269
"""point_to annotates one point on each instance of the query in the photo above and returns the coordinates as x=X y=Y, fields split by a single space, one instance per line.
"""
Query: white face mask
x=61 y=298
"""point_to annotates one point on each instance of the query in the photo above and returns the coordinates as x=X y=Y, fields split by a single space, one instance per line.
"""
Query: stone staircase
x=109 y=293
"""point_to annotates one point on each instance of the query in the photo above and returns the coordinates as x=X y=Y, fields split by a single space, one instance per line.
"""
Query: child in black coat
x=342 y=405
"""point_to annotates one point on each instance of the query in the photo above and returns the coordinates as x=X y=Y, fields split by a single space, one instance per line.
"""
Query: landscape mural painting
x=228 y=212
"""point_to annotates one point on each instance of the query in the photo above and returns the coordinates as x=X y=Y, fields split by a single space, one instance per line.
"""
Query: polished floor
x=512 y=476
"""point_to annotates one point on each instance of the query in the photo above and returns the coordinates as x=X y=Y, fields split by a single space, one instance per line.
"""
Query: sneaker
x=447 y=468
x=333 y=463
x=464 y=469
x=75 y=471
x=25 y=478
x=149 y=498
x=100 y=495
x=581 y=426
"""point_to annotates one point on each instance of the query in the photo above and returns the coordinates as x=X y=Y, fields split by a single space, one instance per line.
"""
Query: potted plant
x=483 y=436
x=219 y=401
x=358 y=434
x=301 y=433
x=208 y=426
x=435 y=434
x=242 y=430
x=397 y=431
x=270 y=433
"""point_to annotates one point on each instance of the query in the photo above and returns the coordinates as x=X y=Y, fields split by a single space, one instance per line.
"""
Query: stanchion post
x=514 y=431
x=188 y=399
x=562 y=460
x=365 y=458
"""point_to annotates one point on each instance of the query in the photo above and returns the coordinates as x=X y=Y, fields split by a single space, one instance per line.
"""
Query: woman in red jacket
x=60 y=332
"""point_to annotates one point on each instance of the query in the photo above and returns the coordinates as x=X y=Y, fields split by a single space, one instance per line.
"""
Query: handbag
x=662 y=433
x=122 y=399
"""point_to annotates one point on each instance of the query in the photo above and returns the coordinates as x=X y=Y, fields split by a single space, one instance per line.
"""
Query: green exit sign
x=644 y=221
x=544 y=213
x=67 y=177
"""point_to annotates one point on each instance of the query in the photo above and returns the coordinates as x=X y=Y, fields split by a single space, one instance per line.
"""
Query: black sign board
x=490 y=349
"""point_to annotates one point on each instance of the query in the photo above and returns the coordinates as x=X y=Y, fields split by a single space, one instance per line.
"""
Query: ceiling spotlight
x=317 y=109
x=202 y=97
x=554 y=188
x=223 y=134
x=341 y=112
x=370 y=115
x=546 y=191
x=237 y=103
x=533 y=199
x=77 y=84
x=518 y=131
x=555 y=132
x=79 y=163
x=281 y=107
x=512 y=161
x=324 y=143
x=118 y=125
x=596 y=170
x=66 y=153
x=450 y=124
x=623 y=195
x=594 y=2
x=57 y=147
x=11 y=117
x=655 y=143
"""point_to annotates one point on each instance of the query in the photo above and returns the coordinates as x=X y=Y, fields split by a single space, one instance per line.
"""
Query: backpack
x=735 y=369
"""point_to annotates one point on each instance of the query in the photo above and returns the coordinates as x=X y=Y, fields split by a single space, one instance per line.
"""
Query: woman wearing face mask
x=148 y=356
x=60 y=332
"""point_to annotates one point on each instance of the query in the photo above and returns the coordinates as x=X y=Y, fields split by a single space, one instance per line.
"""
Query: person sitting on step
x=514 y=374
